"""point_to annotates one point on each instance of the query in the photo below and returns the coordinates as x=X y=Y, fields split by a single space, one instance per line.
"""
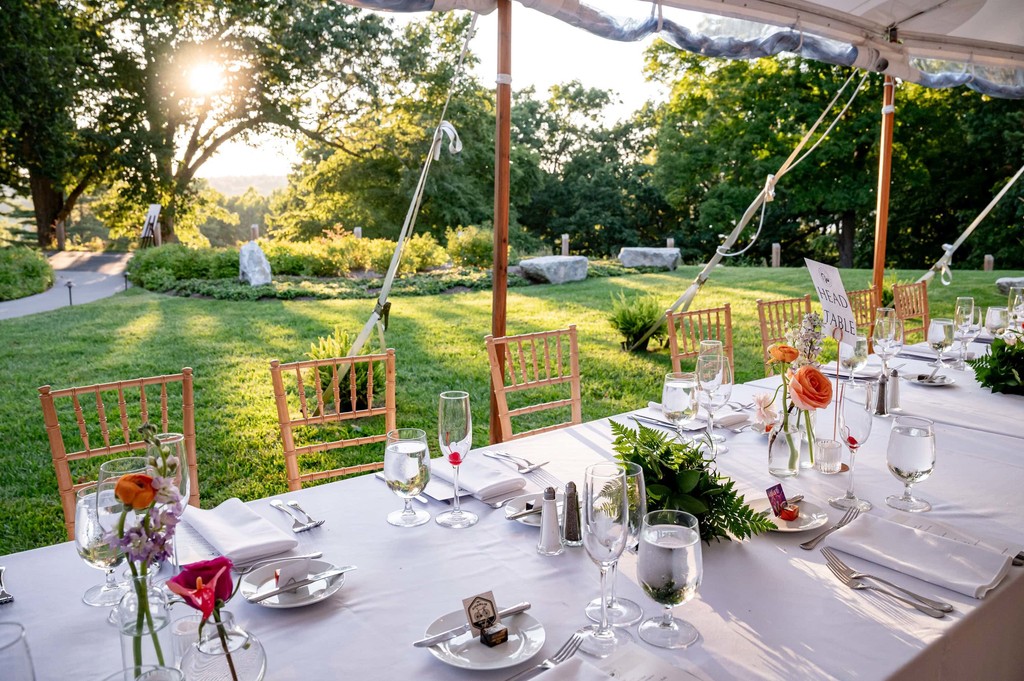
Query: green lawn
x=439 y=345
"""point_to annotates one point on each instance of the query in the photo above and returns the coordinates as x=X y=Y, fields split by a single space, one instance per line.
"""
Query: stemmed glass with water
x=996 y=321
x=911 y=458
x=714 y=388
x=678 y=401
x=455 y=437
x=623 y=612
x=853 y=357
x=407 y=472
x=967 y=319
x=96 y=513
x=940 y=338
x=670 y=571
x=855 y=419
x=605 y=535
x=1015 y=305
x=887 y=337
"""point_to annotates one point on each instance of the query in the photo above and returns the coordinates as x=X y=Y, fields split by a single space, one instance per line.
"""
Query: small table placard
x=835 y=304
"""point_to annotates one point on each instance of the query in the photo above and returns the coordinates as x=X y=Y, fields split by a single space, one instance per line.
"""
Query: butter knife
x=326 y=574
x=458 y=631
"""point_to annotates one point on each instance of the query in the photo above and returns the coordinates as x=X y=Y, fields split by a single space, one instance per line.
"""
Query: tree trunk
x=847 y=225
x=47 y=203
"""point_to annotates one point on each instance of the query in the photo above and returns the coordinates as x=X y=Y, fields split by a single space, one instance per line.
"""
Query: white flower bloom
x=766 y=413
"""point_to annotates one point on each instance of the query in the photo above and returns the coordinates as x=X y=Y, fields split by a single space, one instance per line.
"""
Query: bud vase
x=224 y=652
x=784 y=445
x=807 y=437
x=143 y=619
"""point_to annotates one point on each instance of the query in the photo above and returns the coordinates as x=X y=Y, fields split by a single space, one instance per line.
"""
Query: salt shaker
x=550 y=538
x=571 y=531
x=894 y=391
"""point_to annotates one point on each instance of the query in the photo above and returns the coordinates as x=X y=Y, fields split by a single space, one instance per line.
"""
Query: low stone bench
x=555 y=269
x=663 y=258
x=1004 y=283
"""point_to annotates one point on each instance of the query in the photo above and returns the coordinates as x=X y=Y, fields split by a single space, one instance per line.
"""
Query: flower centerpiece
x=1002 y=369
x=143 y=532
x=804 y=389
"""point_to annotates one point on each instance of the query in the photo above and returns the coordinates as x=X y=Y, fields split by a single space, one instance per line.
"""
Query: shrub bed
x=23 y=272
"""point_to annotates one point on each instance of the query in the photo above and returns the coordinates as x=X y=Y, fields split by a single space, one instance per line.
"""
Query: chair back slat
x=774 y=315
x=344 y=380
x=530 y=367
x=911 y=303
x=687 y=329
x=116 y=391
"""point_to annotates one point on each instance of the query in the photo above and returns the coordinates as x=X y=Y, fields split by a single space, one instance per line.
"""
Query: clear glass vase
x=143 y=619
x=225 y=652
x=807 y=437
x=784 y=447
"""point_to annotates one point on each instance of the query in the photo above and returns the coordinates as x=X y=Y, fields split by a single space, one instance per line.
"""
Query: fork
x=567 y=650
x=246 y=569
x=835 y=561
x=522 y=465
x=843 y=522
x=858 y=585
x=309 y=519
x=5 y=595
x=297 y=525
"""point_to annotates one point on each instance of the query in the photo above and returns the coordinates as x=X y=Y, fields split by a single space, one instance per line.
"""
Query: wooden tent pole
x=884 y=170
x=502 y=146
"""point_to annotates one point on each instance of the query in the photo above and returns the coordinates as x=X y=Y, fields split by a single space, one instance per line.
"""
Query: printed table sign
x=835 y=305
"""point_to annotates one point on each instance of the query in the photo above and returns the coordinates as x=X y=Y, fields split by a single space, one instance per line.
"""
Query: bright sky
x=545 y=52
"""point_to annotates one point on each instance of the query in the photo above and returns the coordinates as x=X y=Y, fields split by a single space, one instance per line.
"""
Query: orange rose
x=136 y=490
x=780 y=352
x=809 y=388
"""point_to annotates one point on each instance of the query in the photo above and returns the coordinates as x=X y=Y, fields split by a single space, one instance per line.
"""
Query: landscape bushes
x=23 y=272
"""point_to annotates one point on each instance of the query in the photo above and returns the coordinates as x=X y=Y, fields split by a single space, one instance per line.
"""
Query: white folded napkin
x=238 y=532
x=573 y=669
x=869 y=370
x=481 y=477
x=965 y=568
x=654 y=411
x=922 y=351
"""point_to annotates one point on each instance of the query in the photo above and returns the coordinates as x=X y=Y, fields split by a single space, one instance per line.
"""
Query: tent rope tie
x=661 y=16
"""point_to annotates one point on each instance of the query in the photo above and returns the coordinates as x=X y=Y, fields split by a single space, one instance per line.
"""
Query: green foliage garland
x=1002 y=369
x=678 y=477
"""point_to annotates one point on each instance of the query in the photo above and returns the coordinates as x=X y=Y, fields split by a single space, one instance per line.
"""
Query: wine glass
x=678 y=402
x=455 y=435
x=605 y=535
x=711 y=347
x=96 y=512
x=940 y=338
x=911 y=458
x=621 y=611
x=15 y=659
x=966 y=334
x=855 y=419
x=407 y=471
x=887 y=336
x=125 y=465
x=714 y=387
x=670 y=571
x=1015 y=305
x=853 y=357
x=996 y=321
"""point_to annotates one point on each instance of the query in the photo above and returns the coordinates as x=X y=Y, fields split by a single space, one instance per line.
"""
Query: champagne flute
x=714 y=388
x=407 y=471
x=678 y=400
x=96 y=512
x=911 y=458
x=605 y=535
x=855 y=419
x=621 y=611
x=996 y=321
x=940 y=338
x=852 y=358
x=963 y=318
x=670 y=571
x=455 y=436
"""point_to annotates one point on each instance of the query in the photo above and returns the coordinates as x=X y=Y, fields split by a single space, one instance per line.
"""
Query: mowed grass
x=438 y=341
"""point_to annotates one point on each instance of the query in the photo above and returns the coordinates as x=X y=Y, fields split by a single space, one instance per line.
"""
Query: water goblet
x=623 y=612
x=670 y=571
x=911 y=459
x=940 y=338
x=407 y=471
x=605 y=535
x=711 y=347
x=96 y=512
x=15 y=659
x=966 y=335
x=996 y=321
x=852 y=358
x=678 y=401
x=887 y=336
x=1015 y=305
x=455 y=436
x=714 y=388
x=855 y=420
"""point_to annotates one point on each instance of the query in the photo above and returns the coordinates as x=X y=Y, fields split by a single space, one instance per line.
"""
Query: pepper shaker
x=571 y=530
x=894 y=391
x=881 y=399
x=550 y=538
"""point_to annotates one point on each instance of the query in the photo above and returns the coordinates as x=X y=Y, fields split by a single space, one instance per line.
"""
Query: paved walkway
x=93 y=276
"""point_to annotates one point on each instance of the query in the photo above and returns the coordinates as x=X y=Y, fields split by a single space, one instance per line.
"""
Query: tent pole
x=502 y=145
x=884 y=171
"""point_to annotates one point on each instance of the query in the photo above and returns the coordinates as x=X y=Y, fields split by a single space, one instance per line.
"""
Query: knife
x=700 y=425
x=326 y=574
x=797 y=498
x=458 y=631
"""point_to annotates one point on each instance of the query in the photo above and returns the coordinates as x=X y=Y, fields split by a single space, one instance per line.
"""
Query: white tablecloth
x=766 y=609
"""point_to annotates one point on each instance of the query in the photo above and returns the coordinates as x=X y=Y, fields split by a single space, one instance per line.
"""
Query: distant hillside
x=236 y=185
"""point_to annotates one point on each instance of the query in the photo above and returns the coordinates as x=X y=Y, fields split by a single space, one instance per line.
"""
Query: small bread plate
x=261 y=580
x=520 y=504
x=525 y=639
x=941 y=380
x=811 y=516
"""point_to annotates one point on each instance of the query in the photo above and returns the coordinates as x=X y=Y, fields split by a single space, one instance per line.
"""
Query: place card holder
x=484 y=620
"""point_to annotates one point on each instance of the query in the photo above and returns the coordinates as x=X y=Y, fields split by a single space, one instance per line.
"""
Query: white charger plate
x=519 y=504
x=940 y=381
x=261 y=580
x=525 y=639
x=811 y=516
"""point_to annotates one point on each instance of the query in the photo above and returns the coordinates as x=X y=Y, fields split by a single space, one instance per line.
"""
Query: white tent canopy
x=936 y=43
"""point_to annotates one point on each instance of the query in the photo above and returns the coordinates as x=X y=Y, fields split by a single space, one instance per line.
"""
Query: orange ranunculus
x=780 y=352
x=809 y=388
x=136 y=490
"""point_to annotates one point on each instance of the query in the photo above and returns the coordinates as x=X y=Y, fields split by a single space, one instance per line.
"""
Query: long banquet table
x=766 y=608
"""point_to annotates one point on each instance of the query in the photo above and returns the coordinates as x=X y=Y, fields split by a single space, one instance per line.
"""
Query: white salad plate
x=811 y=516
x=261 y=580
x=525 y=639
